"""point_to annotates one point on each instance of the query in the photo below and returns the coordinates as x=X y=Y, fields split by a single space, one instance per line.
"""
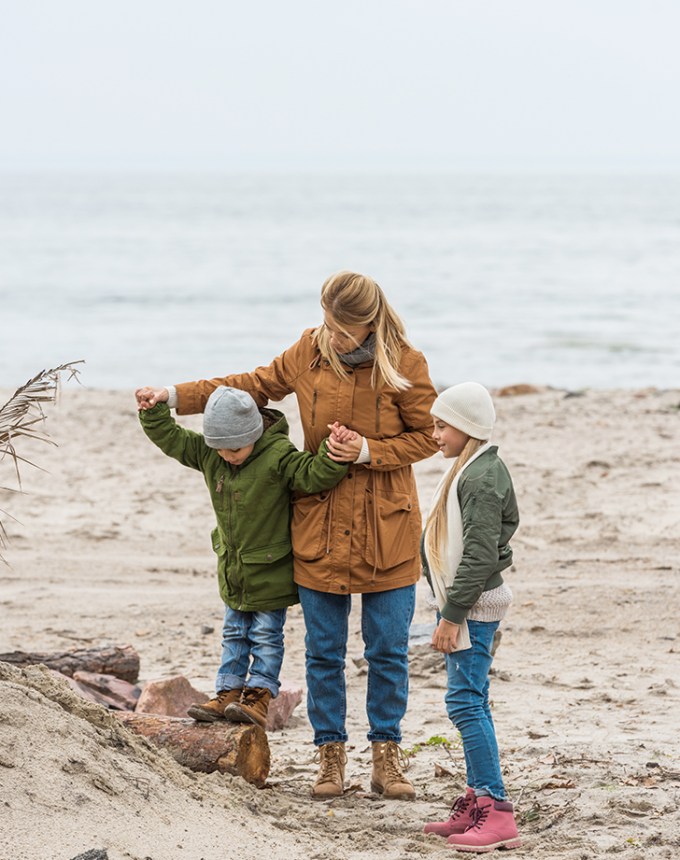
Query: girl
x=465 y=543
x=361 y=537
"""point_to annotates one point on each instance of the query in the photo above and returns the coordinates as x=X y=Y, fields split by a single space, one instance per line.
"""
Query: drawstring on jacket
x=375 y=527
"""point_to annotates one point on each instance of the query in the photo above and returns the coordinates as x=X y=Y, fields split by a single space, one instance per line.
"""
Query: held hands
x=445 y=636
x=149 y=397
x=344 y=445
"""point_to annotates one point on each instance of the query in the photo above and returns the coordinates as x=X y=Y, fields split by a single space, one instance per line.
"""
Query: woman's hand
x=445 y=636
x=147 y=397
x=344 y=445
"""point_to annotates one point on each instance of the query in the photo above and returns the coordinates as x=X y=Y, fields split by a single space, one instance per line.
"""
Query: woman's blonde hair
x=357 y=300
x=436 y=525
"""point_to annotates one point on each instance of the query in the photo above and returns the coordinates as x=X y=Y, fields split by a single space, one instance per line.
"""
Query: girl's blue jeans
x=252 y=650
x=467 y=704
x=385 y=621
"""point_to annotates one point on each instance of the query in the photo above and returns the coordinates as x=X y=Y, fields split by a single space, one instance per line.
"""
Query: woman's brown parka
x=364 y=535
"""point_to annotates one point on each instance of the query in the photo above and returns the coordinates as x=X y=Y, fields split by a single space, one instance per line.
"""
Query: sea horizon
x=567 y=280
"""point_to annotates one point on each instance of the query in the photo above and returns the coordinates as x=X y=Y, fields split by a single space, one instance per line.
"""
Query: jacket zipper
x=227 y=501
x=314 y=396
x=377 y=413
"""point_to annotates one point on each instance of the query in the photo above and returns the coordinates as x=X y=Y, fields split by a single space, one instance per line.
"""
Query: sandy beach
x=111 y=545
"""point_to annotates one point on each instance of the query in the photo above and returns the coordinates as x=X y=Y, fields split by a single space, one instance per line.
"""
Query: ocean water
x=570 y=281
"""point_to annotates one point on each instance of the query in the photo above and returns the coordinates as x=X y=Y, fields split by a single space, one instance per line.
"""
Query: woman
x=363 y=536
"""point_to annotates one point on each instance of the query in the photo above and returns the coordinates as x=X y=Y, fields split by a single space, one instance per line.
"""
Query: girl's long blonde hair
x=357 y=300
x=436 y=525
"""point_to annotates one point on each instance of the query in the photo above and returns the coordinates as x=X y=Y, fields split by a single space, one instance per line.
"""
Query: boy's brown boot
x=251 y=708
x=330 y=781
x=213 y=710
x=388 y=777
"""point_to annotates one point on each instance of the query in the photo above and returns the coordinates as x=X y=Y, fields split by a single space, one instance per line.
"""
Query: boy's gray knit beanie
x=231 y=419
x=468 y=407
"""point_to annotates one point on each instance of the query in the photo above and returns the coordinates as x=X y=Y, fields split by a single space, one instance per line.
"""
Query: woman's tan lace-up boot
x=331 y=778
x=388 y=777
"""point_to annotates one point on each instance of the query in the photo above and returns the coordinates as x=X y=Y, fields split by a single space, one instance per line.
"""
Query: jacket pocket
x=268 y=575
x=392 y=533
x=309 y=529
x=266 y=554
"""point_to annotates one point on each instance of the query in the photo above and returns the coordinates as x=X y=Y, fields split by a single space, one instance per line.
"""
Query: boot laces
x=460 y=806
x=223 y=695
x=331 y=757
x=252 y=695
x=395 y=761
x=479 y=815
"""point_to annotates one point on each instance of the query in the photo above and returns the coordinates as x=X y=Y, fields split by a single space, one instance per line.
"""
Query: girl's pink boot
x=494 y=827
x=460 y=819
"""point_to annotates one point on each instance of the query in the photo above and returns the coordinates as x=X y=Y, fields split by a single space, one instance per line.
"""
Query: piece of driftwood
x=240 y=749
x=119 y=660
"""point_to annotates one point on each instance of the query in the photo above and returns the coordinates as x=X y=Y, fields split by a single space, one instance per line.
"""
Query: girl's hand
x=445 y=636
x=147 y=397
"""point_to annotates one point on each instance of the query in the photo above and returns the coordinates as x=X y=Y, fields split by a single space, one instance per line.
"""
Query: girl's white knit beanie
x=468 y=407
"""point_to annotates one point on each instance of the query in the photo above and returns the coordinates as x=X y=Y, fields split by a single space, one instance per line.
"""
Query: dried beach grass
x=20 y=415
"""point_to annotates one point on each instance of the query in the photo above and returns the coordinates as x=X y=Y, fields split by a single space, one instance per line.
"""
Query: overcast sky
x=278 y=85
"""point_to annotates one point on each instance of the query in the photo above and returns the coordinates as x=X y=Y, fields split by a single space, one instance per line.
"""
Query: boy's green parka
x=252 y=504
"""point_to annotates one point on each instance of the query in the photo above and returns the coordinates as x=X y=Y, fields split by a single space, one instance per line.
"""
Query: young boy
x=250 y=467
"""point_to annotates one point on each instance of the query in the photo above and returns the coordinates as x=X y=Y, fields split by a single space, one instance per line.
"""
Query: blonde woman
x=466 y=547
x=362 y=537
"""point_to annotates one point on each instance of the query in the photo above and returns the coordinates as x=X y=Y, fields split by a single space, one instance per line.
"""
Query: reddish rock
x=281 y=708
x=108 y=690
x=80 y=689
x=169 y=696
x=520 y=388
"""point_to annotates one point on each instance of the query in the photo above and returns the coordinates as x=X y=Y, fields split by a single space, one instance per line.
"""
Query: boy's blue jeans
x=252 y=639
x=467 y=704
x=385 y=621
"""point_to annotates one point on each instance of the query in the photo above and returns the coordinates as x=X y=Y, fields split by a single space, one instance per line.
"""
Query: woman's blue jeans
x=467 y=704
x=385 y=621
x=255 y=640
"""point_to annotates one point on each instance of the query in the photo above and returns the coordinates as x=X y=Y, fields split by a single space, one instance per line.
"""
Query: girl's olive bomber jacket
x=252 y=504
x=490 y=518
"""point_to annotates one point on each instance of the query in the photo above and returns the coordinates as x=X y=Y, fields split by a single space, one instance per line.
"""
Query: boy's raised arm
x=183 y=445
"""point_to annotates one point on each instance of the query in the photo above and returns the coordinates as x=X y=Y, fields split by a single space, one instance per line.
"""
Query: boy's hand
x=445 y=636
x=340 y=433
x=147 y=398
x=344 y=445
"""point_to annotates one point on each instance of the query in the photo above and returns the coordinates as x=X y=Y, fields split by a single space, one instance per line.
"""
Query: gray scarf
x=360 y=355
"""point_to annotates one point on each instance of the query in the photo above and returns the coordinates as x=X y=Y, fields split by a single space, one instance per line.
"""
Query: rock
x=93 y=854
x=108 y=690
x=207 y=629
x=169 y=696
x=520 y=388
x=281 y=708
x=80 y=689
